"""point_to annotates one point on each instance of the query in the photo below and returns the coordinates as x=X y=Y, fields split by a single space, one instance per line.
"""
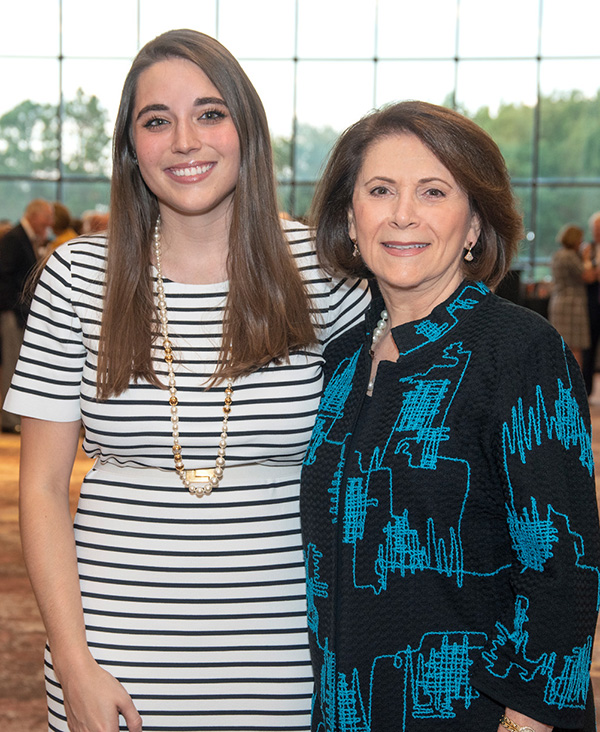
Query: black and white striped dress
x=196 y=605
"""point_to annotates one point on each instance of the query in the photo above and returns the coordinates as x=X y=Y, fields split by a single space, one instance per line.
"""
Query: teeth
x=407 y=246
x=188 y=172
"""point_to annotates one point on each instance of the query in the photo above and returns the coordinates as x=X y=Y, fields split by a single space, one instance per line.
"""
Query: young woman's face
x=185 y=140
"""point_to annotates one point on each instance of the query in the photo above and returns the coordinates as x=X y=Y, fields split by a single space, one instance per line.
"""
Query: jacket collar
x=443 y=318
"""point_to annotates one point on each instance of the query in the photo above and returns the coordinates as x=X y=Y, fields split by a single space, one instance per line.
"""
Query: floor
x=22 y=701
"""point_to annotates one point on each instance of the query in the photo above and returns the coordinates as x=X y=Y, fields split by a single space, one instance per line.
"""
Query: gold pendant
x=199 y=476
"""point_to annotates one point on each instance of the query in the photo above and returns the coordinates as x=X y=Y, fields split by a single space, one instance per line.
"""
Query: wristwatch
x=513 y=726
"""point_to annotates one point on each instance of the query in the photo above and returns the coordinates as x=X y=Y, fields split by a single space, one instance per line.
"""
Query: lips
x=191 y=170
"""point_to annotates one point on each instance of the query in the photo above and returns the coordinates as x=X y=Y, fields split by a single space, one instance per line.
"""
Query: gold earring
x=355 y=250
x=468 y=256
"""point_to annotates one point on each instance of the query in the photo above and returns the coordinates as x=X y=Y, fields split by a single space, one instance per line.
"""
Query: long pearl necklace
x=380 y=329
x=198 y=482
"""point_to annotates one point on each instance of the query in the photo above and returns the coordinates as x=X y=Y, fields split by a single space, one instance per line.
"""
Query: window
x=526 y=70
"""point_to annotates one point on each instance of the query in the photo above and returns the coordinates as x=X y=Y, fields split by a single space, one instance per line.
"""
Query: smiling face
x=412 y=223
x=185 y=140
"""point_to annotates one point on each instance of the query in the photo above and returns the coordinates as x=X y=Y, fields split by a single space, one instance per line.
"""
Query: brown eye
x=155 y=122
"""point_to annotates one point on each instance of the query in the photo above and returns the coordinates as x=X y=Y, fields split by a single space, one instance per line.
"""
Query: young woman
x=189 y=346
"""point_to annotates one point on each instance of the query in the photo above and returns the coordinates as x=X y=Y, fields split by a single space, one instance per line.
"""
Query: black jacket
x=450 y=526
x=17 y=259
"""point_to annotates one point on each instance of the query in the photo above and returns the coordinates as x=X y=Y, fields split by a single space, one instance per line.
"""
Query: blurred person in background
x=94 y=222
x=590 y=252
x=63 y=228
x=568 y=309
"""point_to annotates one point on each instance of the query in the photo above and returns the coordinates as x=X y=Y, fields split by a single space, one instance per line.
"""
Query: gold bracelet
x=513 y=726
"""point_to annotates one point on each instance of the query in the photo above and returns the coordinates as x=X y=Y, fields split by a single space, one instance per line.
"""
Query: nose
x=404 y=212
x=186 y=137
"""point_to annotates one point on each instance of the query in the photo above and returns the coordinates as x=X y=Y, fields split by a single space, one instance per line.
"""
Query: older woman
x=448 y=505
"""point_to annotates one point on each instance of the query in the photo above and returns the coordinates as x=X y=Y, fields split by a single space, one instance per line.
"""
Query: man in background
x=19 y=249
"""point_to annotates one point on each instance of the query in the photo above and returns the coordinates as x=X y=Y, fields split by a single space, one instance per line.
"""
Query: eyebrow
x=385 y=179
x=200 y=102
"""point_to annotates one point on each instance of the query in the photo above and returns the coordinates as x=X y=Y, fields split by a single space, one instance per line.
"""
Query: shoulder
x=300 y=237
x=80 y=260
x=87 y=250
x=515 y=322
x=517 y=344
x=301 y=242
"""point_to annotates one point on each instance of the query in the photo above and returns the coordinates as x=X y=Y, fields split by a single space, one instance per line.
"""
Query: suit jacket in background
x=17 y=259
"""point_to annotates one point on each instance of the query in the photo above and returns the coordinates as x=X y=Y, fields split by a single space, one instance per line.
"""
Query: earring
x=468 y=256
x=355 y=250
x=134 y=158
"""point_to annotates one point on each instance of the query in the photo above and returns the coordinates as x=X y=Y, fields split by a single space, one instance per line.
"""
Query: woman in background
x=62 y=226
x=188 y=345
x=568 y=310
x=448 y=502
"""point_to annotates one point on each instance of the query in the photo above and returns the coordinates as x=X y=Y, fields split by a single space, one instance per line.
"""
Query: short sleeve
x=47 y=379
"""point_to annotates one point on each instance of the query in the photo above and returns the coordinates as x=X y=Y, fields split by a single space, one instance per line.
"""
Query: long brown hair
x=267 y=312
x=466 y=150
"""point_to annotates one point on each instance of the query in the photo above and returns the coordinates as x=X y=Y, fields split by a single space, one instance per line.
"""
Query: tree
x=28 y=140
x=568 y=160
x=85 y=125
x=30 y=145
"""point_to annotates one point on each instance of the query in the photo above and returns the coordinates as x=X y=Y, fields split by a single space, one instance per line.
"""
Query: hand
x=94 y=699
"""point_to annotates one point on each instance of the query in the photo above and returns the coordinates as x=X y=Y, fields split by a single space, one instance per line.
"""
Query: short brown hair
x=570 y=236
x=62 y=217
x=467 y=152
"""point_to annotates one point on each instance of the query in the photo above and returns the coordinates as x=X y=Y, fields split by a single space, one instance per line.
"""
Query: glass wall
x=526 y=70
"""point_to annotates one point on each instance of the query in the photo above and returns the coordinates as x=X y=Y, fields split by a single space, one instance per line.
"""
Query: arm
x=93 y=698
x=538 y=654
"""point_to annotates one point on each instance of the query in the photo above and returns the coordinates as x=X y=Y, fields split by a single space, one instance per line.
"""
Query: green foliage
x=86 y=122
x=566 y=186
x=512 y=129
x=29 y=140
x=30 y=147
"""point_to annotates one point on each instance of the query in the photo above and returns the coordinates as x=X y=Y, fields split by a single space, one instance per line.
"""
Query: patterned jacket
x=450 y=526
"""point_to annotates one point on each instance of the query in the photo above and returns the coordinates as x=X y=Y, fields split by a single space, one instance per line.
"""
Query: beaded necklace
x=380 y=329
x=198 y=482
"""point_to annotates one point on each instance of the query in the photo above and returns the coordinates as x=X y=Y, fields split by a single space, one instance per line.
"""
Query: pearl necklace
x=380 y=329
x=198 y=482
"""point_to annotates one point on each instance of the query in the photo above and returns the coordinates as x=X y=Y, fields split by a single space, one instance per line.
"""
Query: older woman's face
x=411 y=221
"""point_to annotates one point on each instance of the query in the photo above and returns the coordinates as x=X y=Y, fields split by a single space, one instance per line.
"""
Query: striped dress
x=196 y=605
